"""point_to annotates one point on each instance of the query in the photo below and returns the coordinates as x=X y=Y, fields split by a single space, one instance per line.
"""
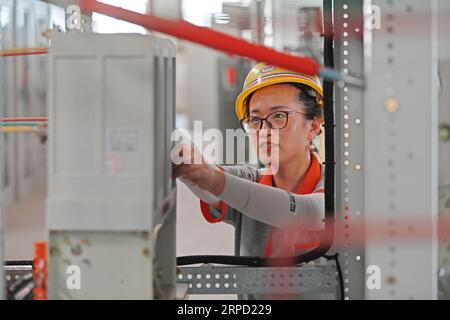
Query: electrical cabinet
x=111 y=198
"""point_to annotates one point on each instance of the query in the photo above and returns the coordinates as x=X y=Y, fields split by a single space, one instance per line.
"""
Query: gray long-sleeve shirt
x=254 y=230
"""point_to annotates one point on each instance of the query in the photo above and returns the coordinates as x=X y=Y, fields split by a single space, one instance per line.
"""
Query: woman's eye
x=254 y=120
x=279 y=116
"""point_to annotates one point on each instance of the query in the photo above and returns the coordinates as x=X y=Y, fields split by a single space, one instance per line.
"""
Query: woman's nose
x=265 y=125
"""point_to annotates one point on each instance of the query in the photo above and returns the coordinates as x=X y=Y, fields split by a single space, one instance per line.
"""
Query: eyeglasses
x=276 y=120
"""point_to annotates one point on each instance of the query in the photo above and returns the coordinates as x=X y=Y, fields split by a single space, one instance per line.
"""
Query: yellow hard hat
x=263 y=75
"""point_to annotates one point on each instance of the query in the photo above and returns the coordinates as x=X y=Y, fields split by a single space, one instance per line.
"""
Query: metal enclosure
x=444 y=146
x=111 y=199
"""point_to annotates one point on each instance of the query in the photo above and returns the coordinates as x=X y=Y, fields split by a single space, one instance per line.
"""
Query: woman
x=275 y=213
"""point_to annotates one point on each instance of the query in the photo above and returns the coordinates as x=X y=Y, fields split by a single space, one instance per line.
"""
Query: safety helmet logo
x=267 y=68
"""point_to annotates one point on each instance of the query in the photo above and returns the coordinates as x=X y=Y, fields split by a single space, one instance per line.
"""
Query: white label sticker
x=123 y=140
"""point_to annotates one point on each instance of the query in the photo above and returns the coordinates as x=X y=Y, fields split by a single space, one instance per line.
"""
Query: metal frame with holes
x=306 y=280
x=349 y=145
x=387 y=184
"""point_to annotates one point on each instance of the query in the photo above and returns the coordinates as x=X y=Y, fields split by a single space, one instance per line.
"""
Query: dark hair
x=307 y=96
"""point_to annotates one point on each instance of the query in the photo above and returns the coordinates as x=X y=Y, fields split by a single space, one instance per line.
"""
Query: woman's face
x=294 y=139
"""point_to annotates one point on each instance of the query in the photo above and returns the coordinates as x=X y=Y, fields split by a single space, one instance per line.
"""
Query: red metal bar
x=40 y=270
x=206 y=36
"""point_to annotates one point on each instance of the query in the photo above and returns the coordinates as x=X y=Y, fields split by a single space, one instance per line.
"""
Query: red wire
x=206 y=36
x=14 y=54
x=39 y=119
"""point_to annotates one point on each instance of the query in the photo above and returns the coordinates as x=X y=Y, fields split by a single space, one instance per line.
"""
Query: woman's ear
x=315 y=128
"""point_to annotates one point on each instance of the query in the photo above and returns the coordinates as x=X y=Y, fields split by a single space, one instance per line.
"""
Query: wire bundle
x=29 y=124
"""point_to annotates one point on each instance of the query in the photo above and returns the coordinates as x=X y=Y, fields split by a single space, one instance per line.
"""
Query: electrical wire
x=242 y=261
x=38 y=119
x=12 y=52
x=24 y=123
x=18 y=129
x=220 y=41
x=335 y=257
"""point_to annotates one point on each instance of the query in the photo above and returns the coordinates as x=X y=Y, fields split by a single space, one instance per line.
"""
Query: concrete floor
x=24 y=225
x=194 y=234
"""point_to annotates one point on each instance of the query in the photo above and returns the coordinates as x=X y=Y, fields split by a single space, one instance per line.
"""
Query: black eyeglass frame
x=287 y=113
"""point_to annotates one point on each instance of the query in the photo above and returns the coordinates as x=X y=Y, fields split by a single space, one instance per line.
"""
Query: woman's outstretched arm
x=269 y=205
x=274 y=206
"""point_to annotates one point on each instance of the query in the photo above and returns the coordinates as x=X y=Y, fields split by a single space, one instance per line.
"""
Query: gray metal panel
x=2 y=220
x=444 y=145
x=5 y=40
x=2 y=186
x=9 y=100
x=245 y=280
x=228 y=93
x=349 y=147
x=113 y=265
x=25 y=29
x=160 y=130
x=165 y=248
x=401 y=151
x=38 y=76
x=444 y=177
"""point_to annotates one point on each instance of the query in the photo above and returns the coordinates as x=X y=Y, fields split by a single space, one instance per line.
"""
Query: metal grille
x=245 y=280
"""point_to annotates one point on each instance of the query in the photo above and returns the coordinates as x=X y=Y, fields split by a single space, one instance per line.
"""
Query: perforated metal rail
x=246 y=280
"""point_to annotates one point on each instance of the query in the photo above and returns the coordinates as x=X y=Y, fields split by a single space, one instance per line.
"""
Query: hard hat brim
x=240 y=106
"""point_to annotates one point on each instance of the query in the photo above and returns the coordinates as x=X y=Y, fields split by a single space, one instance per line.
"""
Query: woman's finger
x=175 y=168
x=186 y=153
x=186 y=171
x=177 y=171
x=194 y=176
x=183 y=168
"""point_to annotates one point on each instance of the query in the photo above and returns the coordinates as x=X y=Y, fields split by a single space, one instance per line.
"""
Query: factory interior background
x=391 y=144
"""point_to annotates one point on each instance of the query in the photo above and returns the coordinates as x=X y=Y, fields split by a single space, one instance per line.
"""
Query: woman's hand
x=197 y=172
